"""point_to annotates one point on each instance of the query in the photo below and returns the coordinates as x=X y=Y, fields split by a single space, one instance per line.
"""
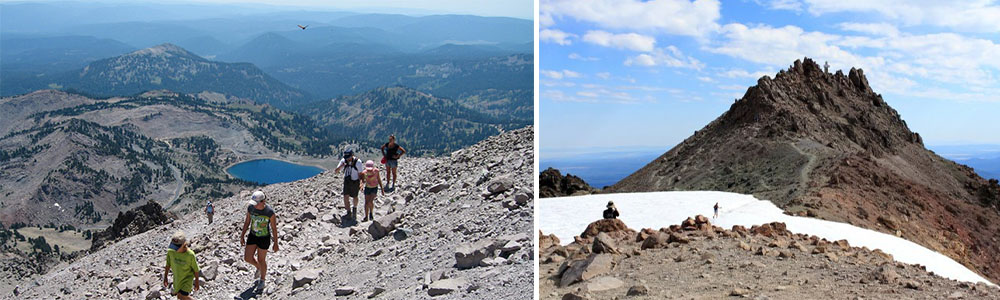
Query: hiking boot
x=354 y=213
x=260 y=287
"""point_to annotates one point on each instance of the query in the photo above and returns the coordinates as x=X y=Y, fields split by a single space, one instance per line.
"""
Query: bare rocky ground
x=696 y=260
x=457 y=227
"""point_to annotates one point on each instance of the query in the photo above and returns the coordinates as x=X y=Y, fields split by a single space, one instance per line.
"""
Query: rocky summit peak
x=826 y=145
x=165 y=49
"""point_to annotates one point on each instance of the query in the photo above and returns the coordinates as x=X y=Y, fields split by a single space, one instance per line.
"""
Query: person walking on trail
x=352 y=181
x=716 y=215
x=183 y=262
x=391 y=152
x=373 y=183
x=263 y=225
x=611 y=212
x=209 y=210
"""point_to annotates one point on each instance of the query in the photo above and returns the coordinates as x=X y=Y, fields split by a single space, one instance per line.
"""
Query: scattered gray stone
x=445 y=286
x=303 y=277
x=344 y=291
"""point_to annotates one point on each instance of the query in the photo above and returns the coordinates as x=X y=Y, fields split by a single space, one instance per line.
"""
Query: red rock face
x=827 y=146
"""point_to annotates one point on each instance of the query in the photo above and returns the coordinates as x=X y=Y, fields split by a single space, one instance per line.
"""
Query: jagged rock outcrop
x=551 y=183
x=828 y=146
x=697 y=259
x=132 y=222
x=329 y=256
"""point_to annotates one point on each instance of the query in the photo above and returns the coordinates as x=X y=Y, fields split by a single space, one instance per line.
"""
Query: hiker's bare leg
x=182 y=297
x=262 y=262
x=248 y=255
x=355 y=201
x=369 y=204
x=347 y=203
x=393 y=169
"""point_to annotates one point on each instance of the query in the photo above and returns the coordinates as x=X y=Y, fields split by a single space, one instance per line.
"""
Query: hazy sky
x=523 y=9
x=627 y=73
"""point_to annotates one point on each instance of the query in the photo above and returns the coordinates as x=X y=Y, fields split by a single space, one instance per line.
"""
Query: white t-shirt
x=354 y=173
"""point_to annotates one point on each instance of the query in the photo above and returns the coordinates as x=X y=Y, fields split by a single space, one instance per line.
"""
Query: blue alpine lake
x=269 y=171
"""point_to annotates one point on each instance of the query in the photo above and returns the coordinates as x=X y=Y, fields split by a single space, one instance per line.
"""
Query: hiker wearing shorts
x=611 y=212
x=391 y=152
x=210 y=211
x=352 y=181
x=263 y=225
x=373 y=183
x=183 y=262
x=716 y=215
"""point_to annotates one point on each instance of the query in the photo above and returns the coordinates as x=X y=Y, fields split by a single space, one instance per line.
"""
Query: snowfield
x=567 y=217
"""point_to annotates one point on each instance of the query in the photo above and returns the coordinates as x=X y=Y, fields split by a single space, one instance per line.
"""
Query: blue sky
x=523 y=9
x=628 y=73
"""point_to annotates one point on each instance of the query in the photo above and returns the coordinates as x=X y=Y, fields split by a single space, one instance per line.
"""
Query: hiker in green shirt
x=263 y=225
x=182 y=261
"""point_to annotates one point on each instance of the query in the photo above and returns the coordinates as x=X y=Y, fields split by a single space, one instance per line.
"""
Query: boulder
x=638 y=290
x=309 y=214
x=377 y=291
x=401 y=233
x=700 y=219
x=546 y=241
x=305 y=276
x=381 y=226
x=677 y=238
x=471 y=255
x=655 y=240
x=439 y=187
x=210 y=271
x=585 y=269
x=445 y=286
x=344 y=291
x=608 y=226
x=604 y=244
x=886 y=275
x=572 y=296
x=500 y=185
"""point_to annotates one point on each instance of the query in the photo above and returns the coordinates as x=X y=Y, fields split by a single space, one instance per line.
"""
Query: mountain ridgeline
x=826 y=145
x=422 y=122
x=172 y=68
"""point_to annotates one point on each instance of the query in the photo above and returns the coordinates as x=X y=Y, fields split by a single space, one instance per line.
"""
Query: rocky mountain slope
x=423 y=123
x=457 y=227
x=551 y=183
x=826 y=145
x=170 y=67
x=700 y=261
x=67 y=159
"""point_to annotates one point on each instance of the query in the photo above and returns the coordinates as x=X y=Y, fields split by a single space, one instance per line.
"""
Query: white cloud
x=781 y=4
x=587 y=94
x=555 y=36
x=630 y=41
x=705 y=78
x=559 y=74
x=780 y=46
x=669 y=56
x=680 y=17
x=577 y=56
x=560 y=96
x=971 y=16
x=603 y=75
x=878 y=29
x=741 y=73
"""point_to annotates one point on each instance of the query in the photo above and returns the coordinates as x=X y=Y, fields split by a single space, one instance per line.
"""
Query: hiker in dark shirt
x=716 y=215
x=611 y=212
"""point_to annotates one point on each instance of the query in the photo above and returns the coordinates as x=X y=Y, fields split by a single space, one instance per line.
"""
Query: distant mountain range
x=422 y=123
x=172 y=68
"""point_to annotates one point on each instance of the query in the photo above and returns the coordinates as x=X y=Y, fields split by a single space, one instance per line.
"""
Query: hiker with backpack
x=210 y=211
x=263 y=225
x=352 y=181
x=391 y=152
x=183 y=262
x=373 y=183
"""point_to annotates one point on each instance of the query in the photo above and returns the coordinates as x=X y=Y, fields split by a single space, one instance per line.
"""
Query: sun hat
x=257 y=197
x=369 y=164
x=610 y=204
x=177 y=240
